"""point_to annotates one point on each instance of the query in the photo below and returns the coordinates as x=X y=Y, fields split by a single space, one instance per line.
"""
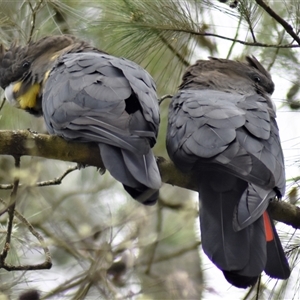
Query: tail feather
x=238 y=280
x=277 y=265
x=240 y=255
x=257 y=257
x=251 y=206
x=113 y=161
x=143 y=194
x=143 y=168
x=138 y=173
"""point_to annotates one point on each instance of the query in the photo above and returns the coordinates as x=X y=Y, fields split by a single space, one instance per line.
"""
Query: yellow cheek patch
x=29 y=98
x=17 y=87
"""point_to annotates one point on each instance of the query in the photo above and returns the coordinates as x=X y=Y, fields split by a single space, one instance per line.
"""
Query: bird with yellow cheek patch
x=87 y=95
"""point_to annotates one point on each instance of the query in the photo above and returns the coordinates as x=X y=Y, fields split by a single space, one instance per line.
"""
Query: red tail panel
x=268 y=228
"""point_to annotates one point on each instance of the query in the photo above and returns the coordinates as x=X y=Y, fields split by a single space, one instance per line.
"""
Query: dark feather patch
x=99 y=98
x=222 y=127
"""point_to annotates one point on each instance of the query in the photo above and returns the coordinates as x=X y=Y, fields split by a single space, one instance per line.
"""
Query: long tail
x=241 y=255
x=138 y=173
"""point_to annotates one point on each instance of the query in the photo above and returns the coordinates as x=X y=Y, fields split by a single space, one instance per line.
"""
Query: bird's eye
x=257 y=79
x=26 y=64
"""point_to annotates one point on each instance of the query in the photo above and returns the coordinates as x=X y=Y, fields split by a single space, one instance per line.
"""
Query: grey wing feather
x=134 y=171
x=143 y=86
x=114 y=162
x=189 y=133
x=129 y=168
x=92 y=97
x=257 y=116
x=264 y=141
x=219 y=131
x=232 y=133
x=143 y=168
x=112 y=86
x=253 y=203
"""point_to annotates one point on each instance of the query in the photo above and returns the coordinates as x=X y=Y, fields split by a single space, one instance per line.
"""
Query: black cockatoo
x=87 y=95
x=222 y=127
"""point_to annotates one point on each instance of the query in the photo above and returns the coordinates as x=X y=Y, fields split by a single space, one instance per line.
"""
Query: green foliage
x=160 y=35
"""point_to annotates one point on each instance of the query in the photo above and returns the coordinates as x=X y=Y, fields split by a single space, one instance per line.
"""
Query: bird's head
x=24 y=70
x=229 y=75
x=260 y=76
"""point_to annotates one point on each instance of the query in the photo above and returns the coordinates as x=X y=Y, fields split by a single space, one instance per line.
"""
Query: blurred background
x=103 y=244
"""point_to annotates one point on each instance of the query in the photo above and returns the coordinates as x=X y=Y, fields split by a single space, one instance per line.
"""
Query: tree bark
x=26 y=142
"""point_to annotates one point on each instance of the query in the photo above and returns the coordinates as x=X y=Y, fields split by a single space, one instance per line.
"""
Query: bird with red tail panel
x=222 y=127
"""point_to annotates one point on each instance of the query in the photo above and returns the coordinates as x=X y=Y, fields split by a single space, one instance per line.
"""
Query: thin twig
x=174 y=254
x=161 y=100
x=247 y=295
x=62 y=242
x=34 y=13
x=235 y=37
x=67 y=285
x=48 y=262
x=276 y=51
x=2 y=103
x=248 y=19
x=155 y=244
x=55 y=181
x=198 y=33
x=11 y=214
x=258 y=288
x=165 y=41
x=284 y=24
x=173 y=50
x=256 y=44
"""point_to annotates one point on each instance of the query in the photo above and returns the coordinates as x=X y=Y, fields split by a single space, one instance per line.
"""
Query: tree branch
x=284 y=24
x=198 y=33
x=25 y=142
